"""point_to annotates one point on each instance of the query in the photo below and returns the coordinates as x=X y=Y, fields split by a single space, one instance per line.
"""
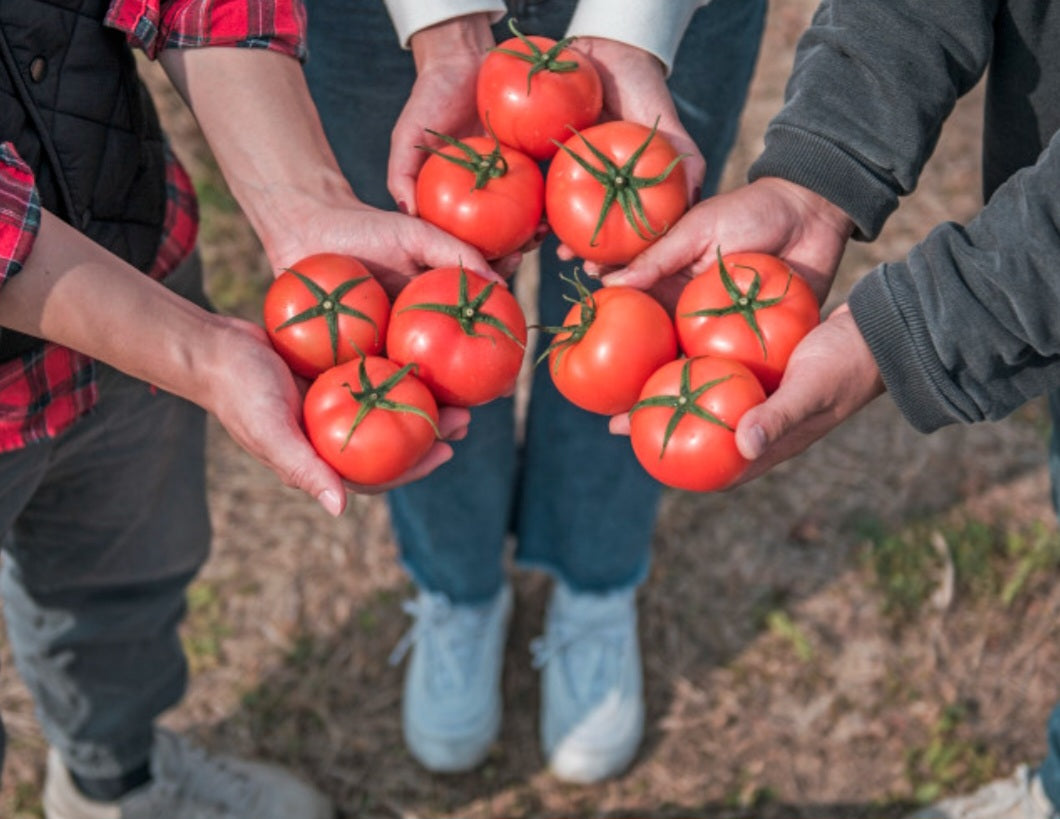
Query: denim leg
x=104 y=528
x=1050 y=768
x=567 y=511
x=587 y=509
x=451 y=525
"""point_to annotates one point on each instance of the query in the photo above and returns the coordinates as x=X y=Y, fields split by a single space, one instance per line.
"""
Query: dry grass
x=779 y=681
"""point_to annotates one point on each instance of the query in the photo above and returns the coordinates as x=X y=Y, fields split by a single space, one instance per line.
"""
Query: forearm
x=287 y=167
x=871 y=86
x=965 y=329
x=74 y=292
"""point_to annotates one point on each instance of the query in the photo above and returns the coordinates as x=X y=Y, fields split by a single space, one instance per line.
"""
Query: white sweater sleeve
x=409 y=16
x=653 y=25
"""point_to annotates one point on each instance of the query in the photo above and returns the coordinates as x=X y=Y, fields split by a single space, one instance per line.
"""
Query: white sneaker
x=451 y=708
x=592 y=702
x=189 y=783
x=1020 y=796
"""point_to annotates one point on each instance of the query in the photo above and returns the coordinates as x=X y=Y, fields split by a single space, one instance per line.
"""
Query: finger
x=453 y=422
x=305 y=470
x=438 y=248
x=619 y=424
x=676 y=250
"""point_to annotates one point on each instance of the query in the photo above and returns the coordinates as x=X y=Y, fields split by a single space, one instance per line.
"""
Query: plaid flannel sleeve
x=154 y=25
x=19 y=212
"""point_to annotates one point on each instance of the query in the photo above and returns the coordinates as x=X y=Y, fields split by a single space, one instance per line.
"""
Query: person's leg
x=104 y=528
x=450 y=526
x=586 y=510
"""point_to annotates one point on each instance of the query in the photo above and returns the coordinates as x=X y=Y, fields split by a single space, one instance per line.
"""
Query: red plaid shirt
x=46 y=390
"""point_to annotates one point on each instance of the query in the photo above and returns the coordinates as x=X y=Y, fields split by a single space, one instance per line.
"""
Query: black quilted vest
x=74 y=107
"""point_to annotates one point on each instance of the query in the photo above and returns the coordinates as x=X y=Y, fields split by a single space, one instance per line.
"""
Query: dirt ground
x=872 y=624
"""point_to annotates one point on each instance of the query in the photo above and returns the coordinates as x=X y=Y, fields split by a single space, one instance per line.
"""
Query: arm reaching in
x=769 y=216
x=256 y=113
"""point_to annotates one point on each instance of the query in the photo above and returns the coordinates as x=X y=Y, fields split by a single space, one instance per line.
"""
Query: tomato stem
x=683 y=403
x=572 y=333
x=373 y=397
x=621 y=184
x=539 y=60
x=329 y=306
x=468 y=312
x=746 y=304
x=483 y=167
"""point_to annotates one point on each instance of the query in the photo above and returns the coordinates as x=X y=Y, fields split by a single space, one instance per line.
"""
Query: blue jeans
x=104 y=527
x=577 y=501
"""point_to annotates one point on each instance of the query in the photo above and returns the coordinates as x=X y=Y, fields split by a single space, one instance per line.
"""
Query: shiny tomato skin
x=307 y=346
x=386 y=443
x=460 y=369
x=700 y=456
x=782 y=324
x=574 y=198
x=531 y=121
x=630 y=337
x=498 y=218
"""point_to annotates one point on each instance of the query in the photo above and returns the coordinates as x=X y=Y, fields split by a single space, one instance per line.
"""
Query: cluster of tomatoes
x=379 y=370
x=610 y=189
x=736 y=325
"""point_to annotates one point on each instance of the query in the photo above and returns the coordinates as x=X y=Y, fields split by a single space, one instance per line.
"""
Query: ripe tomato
x=683 y=426
x=751 y=307
x=613 y=189
x=370 y=419
x=324 y=310
x=530 y=89
x=611 y=341
x=490 y=195
x=466 y=333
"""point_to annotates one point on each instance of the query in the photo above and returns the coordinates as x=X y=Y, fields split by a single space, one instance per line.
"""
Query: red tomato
x=490 y=195
x=467 y=335
x=370 y=419
x=613 y=189
x=611 y=341
x=751 y=307
x=530 y=89
x=324 y=310
x=683 y=426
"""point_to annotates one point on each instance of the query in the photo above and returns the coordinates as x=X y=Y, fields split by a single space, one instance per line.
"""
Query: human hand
x=634 y=86
x=393 y=246
x=259 y=402
x=448 y=57
x=769 y=215
x=831 y=375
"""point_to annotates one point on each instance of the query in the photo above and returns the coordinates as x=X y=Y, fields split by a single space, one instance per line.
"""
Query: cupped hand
x=259 y=402
x=448 y=57
x=769 y=215
x=830 y=376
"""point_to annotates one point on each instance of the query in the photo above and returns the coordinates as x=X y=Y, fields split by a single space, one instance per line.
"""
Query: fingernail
x=756 y=440
x=331 y=502
x=403 y=207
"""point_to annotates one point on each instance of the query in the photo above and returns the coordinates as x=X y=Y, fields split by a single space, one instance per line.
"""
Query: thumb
x=307 y=471
x=762 y=426
x=676 y=250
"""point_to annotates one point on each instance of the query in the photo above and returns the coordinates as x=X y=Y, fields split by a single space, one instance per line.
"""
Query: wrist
x=466 y=38
x=607 y=52
x=811 y=205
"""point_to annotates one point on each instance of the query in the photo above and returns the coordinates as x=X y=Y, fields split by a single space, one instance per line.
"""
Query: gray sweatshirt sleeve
x=968 y=327
x=871 y=86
